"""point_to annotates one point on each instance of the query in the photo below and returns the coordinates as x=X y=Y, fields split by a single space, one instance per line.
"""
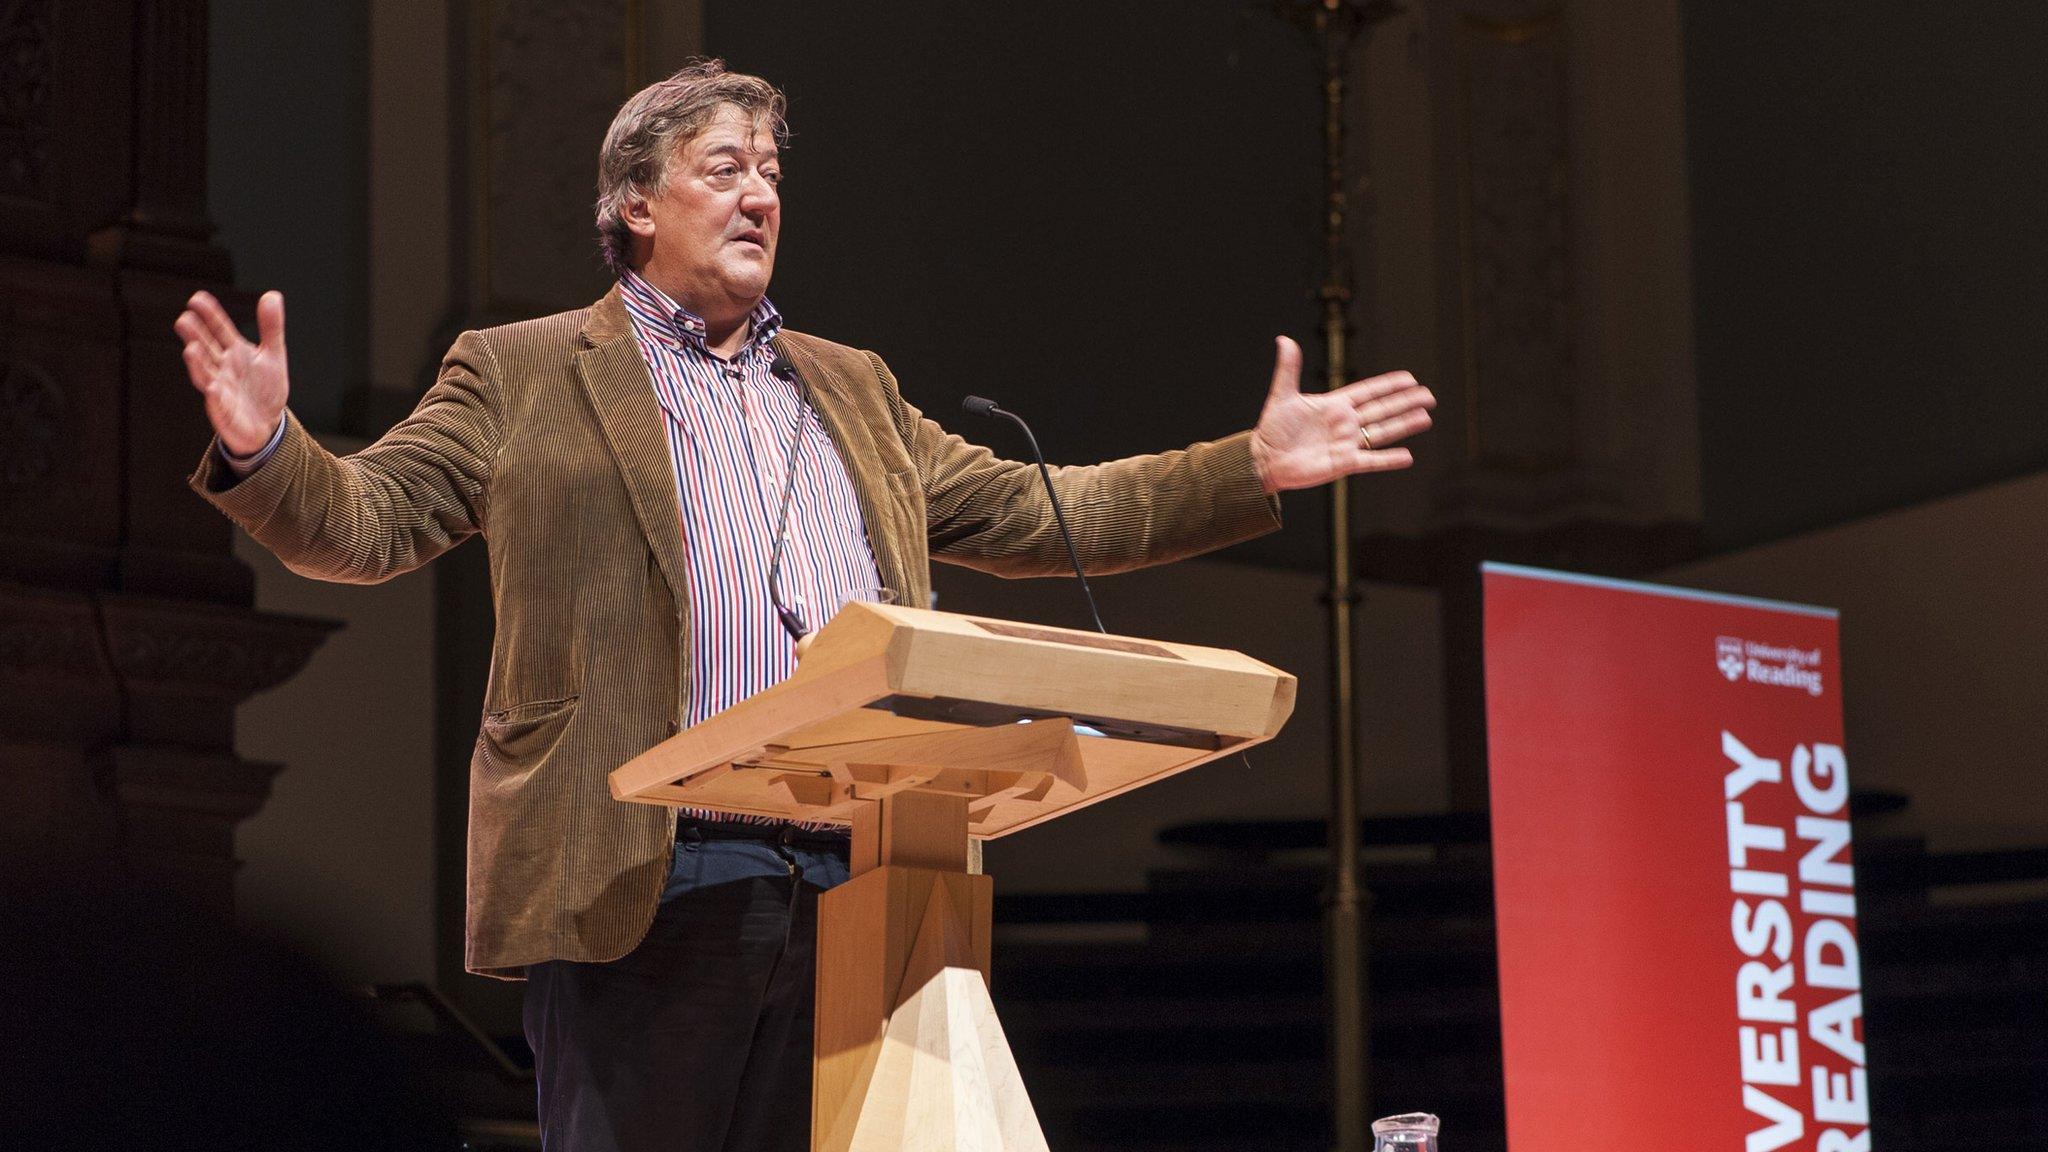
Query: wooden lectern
x=926 y=731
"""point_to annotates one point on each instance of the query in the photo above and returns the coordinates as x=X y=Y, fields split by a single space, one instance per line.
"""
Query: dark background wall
x=1870 y=254
x=1101 y=212
x=1098 y=213
x=287 y=128
x=1121 y=194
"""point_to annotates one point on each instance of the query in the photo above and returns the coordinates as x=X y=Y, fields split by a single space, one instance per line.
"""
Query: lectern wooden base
x=944 y=1078
x=926 y=731
x=909 y=1052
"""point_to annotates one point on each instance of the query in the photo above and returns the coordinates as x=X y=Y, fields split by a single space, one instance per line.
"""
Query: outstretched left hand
x=1305 y=439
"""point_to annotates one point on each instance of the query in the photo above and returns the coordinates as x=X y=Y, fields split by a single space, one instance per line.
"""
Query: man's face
x=715 y=223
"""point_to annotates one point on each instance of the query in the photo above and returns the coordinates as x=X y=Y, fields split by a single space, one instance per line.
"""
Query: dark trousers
x=699 y=1040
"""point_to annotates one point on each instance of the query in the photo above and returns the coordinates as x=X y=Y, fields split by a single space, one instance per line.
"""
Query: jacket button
x=674 y=727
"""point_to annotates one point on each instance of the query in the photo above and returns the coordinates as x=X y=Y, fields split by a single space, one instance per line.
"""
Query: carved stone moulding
x=178 y=811
x=93 y=667
x=27 y=115
x=1533 y=500
x=117 y=725
x=55 y=680
x=214 y=787
x=205 y=649
x=183 y=665
x=177 y=804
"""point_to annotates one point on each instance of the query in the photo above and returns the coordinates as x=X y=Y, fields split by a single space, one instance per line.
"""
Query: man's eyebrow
x=765 y=154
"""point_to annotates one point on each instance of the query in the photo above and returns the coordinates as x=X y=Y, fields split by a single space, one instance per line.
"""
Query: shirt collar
x=653 y=312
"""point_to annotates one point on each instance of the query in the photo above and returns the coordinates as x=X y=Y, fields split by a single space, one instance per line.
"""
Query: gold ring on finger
x=1365 y=437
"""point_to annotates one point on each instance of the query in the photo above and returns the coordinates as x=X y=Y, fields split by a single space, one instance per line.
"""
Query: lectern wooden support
x=926 y=731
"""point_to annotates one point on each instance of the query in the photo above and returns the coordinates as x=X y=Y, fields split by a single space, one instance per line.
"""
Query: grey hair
x=658 y=120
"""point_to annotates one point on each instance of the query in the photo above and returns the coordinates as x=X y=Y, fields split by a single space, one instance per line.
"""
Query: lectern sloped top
x=1024 y=721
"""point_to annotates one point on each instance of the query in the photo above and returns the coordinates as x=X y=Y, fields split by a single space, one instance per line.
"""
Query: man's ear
x=638 y=216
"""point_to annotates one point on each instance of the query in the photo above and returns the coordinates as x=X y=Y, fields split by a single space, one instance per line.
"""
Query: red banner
x=1676 y=901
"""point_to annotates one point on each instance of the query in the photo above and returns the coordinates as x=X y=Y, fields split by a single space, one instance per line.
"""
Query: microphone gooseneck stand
x=981 y=406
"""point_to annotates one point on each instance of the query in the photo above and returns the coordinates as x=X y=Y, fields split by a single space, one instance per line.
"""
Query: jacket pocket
x=519 y=735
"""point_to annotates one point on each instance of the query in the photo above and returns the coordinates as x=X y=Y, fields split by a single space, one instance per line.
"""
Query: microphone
x=781 y=368
x=982 y=406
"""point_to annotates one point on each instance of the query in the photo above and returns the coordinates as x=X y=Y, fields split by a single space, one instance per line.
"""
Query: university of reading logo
x=1728 y=654
x=1758 y=663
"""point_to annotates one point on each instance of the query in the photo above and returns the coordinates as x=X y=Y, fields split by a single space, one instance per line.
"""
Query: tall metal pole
x=1337 y=26
x=1350 y=1101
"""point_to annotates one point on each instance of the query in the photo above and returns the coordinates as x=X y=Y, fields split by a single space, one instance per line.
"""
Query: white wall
x=1944 y=631
x=342 y=857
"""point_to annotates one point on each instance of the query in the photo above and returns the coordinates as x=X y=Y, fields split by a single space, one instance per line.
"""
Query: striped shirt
x=731 y=423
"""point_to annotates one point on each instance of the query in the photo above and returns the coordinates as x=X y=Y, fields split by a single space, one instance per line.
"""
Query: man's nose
x=759 y=194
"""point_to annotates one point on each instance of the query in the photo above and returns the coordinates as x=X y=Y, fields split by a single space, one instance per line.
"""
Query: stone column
x=126 y=632
x=1527 y=226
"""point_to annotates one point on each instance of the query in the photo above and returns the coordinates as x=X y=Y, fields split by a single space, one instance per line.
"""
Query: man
x=625 y=465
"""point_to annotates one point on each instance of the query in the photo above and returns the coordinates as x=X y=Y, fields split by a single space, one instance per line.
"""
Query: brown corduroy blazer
x=545 y=438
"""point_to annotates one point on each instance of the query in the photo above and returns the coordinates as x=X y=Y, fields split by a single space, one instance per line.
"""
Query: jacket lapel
x=622 y=393
x=832 y=396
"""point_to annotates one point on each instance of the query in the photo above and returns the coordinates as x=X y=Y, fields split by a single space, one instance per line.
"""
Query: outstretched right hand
x=245 y=384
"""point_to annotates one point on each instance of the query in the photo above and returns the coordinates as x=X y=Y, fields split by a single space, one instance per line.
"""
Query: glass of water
x=1408 y=1132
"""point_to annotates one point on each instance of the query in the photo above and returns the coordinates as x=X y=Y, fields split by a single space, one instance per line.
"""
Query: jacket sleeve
x=364 y=518
x=992 y=514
